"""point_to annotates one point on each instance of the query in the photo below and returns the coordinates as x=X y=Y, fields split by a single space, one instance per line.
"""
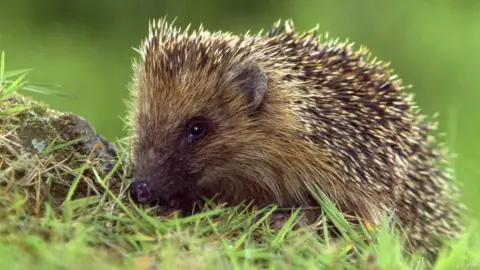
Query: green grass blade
x=14 y=73
x=13 y=87
x=2 y=70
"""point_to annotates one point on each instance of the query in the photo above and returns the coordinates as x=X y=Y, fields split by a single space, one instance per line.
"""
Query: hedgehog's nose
x=140 y=192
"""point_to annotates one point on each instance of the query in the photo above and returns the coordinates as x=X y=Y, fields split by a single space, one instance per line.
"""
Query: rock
x=43 y=151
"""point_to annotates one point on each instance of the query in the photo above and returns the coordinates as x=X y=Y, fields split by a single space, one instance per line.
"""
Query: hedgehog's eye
x=196 y=130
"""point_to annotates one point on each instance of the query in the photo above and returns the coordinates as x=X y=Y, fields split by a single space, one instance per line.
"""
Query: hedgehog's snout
x=140 y=192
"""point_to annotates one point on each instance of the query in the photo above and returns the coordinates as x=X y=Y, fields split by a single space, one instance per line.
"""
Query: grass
x=106 y=230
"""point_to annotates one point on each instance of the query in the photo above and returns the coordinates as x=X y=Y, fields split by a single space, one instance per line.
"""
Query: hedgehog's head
x=201 y=120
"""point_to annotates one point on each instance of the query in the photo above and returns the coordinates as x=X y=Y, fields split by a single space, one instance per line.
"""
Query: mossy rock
x=43 y=152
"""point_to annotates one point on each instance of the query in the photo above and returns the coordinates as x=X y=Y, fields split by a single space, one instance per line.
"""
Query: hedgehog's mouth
x=184 y=204
x=163 y=207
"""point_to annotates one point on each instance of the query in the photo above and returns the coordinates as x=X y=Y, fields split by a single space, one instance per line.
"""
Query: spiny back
x=372 y=128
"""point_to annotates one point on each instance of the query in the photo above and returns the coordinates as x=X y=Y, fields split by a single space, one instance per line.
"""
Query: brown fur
x=328 y=118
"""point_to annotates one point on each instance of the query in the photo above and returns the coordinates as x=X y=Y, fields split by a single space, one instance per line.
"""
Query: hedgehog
x=264 y=118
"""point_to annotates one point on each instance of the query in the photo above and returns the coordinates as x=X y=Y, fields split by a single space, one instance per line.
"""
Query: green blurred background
x=86 y=46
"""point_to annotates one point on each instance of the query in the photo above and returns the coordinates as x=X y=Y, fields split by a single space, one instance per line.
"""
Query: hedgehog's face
x=190 y=130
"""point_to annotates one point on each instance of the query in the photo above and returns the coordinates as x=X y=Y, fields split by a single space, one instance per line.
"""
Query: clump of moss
x=44 y=152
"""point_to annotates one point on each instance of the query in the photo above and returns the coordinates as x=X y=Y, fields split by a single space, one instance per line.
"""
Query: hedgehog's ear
x=249 y=78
